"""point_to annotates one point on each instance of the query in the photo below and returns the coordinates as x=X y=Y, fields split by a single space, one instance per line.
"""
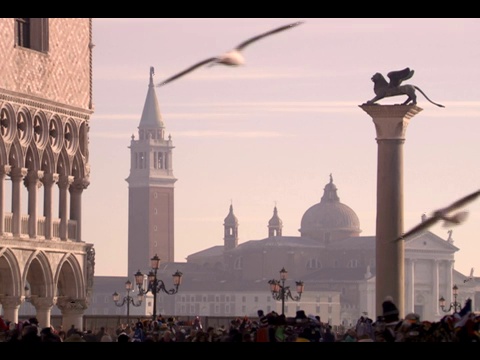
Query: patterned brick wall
x=63 y=75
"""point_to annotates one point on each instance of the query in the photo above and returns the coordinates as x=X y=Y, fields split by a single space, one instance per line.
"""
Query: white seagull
x=233 y=57
x=442 y=214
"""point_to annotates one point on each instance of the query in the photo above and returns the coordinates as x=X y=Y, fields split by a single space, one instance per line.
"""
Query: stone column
x=48 y=181
x=4 y=170
x=10 y=305
x=436 y=287
x=391 y=123
x=76 y=190
x=72 y=311
x=410 y=287
x=17 y=175
x=43 y=307
x=32 y=183
x=450 y=282
x=64 y=183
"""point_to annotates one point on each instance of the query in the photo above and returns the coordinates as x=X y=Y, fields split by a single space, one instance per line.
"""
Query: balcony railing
x=24 y=233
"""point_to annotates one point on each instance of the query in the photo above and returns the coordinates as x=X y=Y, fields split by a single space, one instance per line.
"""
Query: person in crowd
x=71 y=330
x=48 y=335
x=76 y=336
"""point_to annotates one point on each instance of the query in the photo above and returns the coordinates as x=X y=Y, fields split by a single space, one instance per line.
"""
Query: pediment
x=428 y=241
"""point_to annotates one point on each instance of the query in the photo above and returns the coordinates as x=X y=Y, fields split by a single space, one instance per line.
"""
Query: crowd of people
x=462 y=326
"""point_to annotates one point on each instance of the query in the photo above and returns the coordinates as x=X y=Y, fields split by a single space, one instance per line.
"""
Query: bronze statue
x=384 y=89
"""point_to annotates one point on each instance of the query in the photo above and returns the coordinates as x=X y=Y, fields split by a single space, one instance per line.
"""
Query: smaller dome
x=275 y=220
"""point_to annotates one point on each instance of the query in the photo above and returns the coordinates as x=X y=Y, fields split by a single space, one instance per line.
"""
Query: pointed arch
x=69 y=278
x=3 y=153
x=32 y=158
x=10 y=274
x=38 y=274
x=48 y=161
x=63 y=164
x=78 y=168
x=15 y=156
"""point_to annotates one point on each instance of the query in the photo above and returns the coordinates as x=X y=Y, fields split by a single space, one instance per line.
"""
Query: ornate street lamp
x=129 y=300
x=282 y=292
x=456 y=306
x=156 y=285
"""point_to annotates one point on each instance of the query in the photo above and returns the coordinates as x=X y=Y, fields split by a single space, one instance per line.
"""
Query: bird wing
x=271 y=32
x=423 y=225
x=461 y=202
x=186 y=71
x=455 y=219
x=398 y=76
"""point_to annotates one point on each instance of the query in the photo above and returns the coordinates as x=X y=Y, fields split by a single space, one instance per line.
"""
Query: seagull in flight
x=233 y=57
x=443 y=214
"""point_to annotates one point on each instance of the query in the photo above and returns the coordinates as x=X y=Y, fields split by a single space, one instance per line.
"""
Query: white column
x=411 y=286
x=48 y=181
x=64 y=182
x=10 y=305
x=436 y=286
x=32 y=183
x=17 y=175
x=43 y=307
x=4 y=170
x=76 y=190
x=72 y=311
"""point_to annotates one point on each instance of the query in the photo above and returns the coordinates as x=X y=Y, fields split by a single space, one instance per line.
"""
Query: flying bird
x=442 y=214
x=233 y=57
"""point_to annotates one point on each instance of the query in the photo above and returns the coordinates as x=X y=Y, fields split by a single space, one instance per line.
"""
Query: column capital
x=11 y=302
x=33 y=177
x=79 y=184
x=18 y=173
x=71 y=306
x=391 y=121
x=5 y=169
x=49 y=178
x=43 y=303
x=64 y=181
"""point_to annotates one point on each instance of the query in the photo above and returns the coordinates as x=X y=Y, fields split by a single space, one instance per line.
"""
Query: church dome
x=330 y=220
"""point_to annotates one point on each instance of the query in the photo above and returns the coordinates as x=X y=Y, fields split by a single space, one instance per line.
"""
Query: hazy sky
x=271 y=132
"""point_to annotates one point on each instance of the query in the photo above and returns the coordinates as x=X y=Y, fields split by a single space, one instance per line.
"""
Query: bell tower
x=150 y=189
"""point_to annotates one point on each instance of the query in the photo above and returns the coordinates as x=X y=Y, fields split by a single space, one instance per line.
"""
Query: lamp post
x=156 y=285
x=129 y=300
x=282 y=292
x=453 y=305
